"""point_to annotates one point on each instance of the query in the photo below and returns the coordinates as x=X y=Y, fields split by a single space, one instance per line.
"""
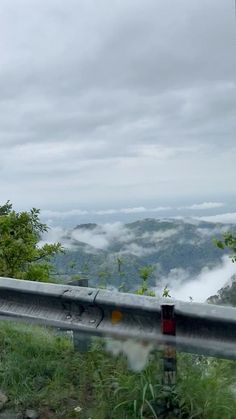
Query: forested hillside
x=112 y=254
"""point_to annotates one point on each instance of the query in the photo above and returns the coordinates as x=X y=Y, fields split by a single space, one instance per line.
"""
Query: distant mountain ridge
x=89 y=226
x=174 y=247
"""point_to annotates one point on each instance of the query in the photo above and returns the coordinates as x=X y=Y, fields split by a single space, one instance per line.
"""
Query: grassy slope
x=39 y=369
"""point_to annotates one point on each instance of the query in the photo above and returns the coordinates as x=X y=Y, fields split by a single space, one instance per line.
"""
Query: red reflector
x=168 y=319
x=168 y=327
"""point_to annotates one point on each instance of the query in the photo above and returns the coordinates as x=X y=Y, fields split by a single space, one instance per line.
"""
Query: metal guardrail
x=200 y=328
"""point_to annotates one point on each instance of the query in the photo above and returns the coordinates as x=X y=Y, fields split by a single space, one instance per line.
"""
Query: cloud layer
x=205 y=206
x=132 y=240
x=206 y=284
x=119 y=104
x=132 y=211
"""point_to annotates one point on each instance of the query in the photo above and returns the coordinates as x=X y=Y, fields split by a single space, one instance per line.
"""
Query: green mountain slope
x=112 y=254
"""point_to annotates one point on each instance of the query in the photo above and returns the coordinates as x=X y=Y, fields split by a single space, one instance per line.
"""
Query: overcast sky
x=117 y=104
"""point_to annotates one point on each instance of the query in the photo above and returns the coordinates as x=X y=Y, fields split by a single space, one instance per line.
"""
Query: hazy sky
x=117 y=103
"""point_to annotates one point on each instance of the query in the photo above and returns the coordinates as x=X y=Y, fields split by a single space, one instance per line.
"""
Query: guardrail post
x=168 y=327
x=165 y=407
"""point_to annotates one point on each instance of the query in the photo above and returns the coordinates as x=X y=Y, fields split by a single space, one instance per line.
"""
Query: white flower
x=78 y=409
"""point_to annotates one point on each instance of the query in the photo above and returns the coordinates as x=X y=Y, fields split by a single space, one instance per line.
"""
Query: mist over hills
x=180 y=252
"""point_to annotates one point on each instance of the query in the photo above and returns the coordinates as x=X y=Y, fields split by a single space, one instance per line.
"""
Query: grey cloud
x=160 y=41
x=136 y=98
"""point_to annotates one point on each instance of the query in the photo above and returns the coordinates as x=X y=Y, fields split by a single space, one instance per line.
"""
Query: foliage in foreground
x=228 y=241
x=39 y=369
x=20 y=255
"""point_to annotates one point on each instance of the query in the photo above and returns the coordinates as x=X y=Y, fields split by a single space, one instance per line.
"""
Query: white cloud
x=137 y=250
x=63 y=214
x=54 y=235
x=103 y=235
x=189 y=220
x=109 y=211
x=176 y=276
x=92 y=238
x=206 y=284
x=158 y=236
x=227 y=218
x=212 y=232
x=137 y=210
x=105 y=212
x=204 y=206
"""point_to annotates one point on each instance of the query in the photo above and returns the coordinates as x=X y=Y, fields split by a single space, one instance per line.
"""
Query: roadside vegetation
x=21 y=255
x=40 y=370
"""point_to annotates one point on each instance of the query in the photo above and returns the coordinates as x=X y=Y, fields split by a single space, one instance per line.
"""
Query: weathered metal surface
x=200 y=328
x=81 y=341
x=56 y=305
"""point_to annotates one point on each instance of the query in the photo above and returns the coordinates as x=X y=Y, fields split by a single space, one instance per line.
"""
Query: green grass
x=39 y=369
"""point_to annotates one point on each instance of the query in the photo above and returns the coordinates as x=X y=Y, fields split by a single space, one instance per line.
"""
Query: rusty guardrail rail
x=200 y=328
